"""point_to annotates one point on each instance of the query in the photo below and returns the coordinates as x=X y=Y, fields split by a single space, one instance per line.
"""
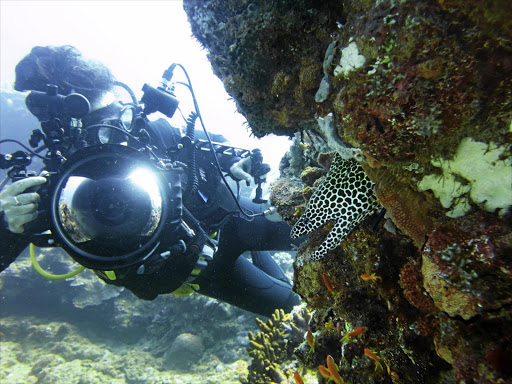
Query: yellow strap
x=186 y=289
x=110 y=274
x=49 y=275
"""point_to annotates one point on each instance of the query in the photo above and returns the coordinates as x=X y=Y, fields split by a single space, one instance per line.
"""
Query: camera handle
x=17 y=159
x=258 y=198
x=258 y=171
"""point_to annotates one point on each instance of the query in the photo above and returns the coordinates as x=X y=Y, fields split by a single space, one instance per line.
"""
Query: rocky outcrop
x=269 y=55
x=419 y=93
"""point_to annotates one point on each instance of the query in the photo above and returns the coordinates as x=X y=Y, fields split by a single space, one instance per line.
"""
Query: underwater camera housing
x=105 y=204
x=111 y=204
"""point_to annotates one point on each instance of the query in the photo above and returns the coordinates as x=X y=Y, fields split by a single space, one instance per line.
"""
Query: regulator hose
x=49 y=275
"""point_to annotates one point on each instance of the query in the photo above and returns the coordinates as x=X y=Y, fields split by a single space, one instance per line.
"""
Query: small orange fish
x=333 y=370
x=324 y=372
x=311 y=341
x=327 y=282
x=356 y=332
x=373 y=277
x=298 y=378
x=374 y=357
x=386 y=199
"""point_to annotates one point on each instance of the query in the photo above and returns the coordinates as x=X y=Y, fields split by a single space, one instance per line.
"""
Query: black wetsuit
x=259 y=287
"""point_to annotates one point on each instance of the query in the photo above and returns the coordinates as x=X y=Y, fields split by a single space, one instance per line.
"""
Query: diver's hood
x=111 y=204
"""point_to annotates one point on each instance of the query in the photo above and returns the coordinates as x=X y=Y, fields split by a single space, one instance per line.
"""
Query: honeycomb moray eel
x=345 y=197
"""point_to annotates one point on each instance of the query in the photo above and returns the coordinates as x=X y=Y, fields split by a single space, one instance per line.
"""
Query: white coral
x=350 y=60
x=480 y=169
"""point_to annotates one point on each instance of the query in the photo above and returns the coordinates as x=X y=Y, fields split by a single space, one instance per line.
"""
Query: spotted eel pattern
x=345 y=197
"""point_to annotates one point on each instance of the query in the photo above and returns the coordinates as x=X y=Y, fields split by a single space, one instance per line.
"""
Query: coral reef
x=34 y=351
x=419 y=91
x=286 y=195
x=271 y=348
x=185 y=351
x=129 y=326
x=466 y=267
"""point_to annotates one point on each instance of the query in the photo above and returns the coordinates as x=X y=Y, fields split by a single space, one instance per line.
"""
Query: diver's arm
x=17 y=208
x=11 y=245
x=250 y=167
x=240 y=170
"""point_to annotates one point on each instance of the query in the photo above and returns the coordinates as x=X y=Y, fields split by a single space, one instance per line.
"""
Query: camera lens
x=108 y=206
x=116 y=203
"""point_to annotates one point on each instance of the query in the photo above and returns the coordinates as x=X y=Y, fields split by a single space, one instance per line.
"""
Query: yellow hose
x=48 y=275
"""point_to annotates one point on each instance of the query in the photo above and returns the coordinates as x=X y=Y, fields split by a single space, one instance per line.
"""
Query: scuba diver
x=139 y=202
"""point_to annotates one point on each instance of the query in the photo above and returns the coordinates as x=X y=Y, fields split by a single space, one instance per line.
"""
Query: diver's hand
x=19 y=207
x=242 y=169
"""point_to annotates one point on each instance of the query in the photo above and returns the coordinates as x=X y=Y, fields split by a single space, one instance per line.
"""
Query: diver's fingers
x=16 y=223
x=7 y=200
x=21 y=185
x=28 y=198
x=13 y=211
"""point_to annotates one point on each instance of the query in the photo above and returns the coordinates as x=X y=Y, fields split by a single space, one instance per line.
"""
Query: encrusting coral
x=486 y=171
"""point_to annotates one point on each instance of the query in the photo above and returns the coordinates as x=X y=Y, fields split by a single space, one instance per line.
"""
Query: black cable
x=127 y=89
x=182 y=115
x=225 y=218
x=196 y=106
x=194 y=224
x=24 y=147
